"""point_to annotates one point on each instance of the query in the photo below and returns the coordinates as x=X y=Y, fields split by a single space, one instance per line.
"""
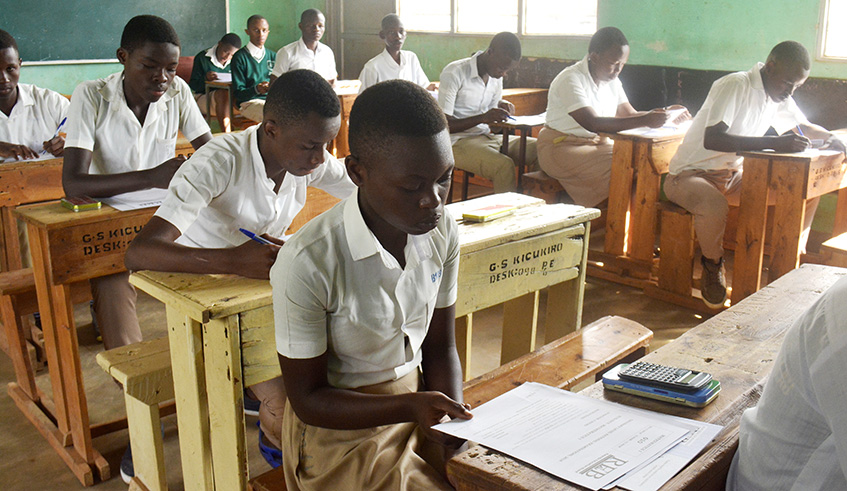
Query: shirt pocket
x=163 y=150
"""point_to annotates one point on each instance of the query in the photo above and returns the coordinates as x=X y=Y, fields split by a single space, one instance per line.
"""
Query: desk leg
x=620 y=193
x=186 y=346
x=226 y=405
x=10 y=259
x=750 y=237
x=840 y=225
x=643 y=210
x=464 y=332
x=789 y=210
x=564 y=300
x=520 y=323
x=522 y=159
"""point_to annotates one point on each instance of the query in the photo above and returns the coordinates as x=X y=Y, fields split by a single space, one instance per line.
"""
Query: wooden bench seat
x=834 y=251
x=540 y=185
x=578 y=357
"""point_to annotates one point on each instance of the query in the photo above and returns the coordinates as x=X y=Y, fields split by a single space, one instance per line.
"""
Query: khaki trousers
x=481 y=155
x=114 y=306
x=583 y=166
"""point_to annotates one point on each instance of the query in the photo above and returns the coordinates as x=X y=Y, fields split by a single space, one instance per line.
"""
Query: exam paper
x=586 y=441
x=532 y=120
x=136 y=200
x=224 y=77
x=664 y=131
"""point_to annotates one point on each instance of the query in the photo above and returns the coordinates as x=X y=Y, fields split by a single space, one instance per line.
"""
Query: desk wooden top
x=670 y=137
x=30 y=181
x=54 y=216
x=817 y=173
x=737 y=346
x=795 y=156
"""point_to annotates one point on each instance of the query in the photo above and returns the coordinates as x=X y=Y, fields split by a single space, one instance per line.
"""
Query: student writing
x=207 y=65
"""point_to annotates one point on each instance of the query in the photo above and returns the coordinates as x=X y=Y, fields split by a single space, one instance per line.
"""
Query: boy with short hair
x=207 y=65
x=30 y=115
x=364 y=307
x=393 y=62
x=470 y=93
x=705 y=173
x=255 y=180
x=251 y=69
x=308 y=51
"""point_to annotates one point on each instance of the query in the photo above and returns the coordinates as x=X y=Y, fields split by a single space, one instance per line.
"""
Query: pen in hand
x=62 y=123
x=255 y=237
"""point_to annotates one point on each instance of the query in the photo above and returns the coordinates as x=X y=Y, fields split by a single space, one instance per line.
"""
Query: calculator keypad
x=657 y=373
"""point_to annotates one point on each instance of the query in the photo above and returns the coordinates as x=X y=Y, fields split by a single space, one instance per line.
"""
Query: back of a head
x=231 y=39
x=143 y=28
x=297 y=93
x=7 y=41
x=392 y=108
x=506 y=43
x=791 y=53
x=605 y=38
x=310 y=14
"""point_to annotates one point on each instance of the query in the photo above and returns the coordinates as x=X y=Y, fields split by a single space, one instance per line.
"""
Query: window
x=526 y=17
x=833 y=38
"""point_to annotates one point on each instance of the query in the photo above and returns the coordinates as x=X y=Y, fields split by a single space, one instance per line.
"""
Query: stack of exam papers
x=590 y=442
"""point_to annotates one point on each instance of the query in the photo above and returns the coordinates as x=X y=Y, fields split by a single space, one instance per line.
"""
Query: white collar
x=113 y=91
x=389 y=58
x=213 y=55
x=255 y=51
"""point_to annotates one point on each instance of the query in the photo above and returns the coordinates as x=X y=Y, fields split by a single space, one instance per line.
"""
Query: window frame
x=823 y=23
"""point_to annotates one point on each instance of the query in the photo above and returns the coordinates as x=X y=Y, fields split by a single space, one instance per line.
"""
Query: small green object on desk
x=82 y=203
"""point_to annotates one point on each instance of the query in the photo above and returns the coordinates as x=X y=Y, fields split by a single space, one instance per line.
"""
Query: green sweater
x=203 y=65
x=247 y=73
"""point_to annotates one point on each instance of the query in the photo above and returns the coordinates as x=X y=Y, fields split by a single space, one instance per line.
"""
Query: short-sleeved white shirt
x=224 y=186
x=796 y=437
x=34 y=118
x=574 y=88
x=336 y=290
x=100 y=121
x=462 y=93
x=739 y=100
x=382 y=67
x=296 y=55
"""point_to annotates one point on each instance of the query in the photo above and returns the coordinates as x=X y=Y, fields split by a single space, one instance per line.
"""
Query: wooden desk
x=790 y=179
x=527 y=101
x=524 y=130
x=737 y=346
x=68 y=249
x=222 y=336
x=347 y=91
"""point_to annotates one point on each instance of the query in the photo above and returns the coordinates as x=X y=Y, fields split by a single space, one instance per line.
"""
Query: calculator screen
x=688 y=378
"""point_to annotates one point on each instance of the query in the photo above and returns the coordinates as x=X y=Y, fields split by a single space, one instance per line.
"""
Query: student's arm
x=154 y=248
x=241 y=86
x=18 y=152
x=197 y=81
x=626 y=119
x=56 y=145
x=78 y=182
x=716 y=138
x=280 y=64
x=816 y=132
x=447 y=93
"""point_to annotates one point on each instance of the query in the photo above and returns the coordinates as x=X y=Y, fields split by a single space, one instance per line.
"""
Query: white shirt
x=212 y=53
x=382 y=67
x=336 y=290
x=296 y=55
x=34 y=117
x=574 y=88
x=739 y=100
x=462 y=93
x=796 y=437
x=100 y=121
x=256 y=52
x=224 y=186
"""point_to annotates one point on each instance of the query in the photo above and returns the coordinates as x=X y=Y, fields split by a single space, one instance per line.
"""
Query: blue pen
x=255 y=237
x=56 y=133
x=799 y=130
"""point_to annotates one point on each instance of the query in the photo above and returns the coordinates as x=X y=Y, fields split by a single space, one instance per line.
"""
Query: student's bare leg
x=114 y=306
x=222 y=109
x=271 y=395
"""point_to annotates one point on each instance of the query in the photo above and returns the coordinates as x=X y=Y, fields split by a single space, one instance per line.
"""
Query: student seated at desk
x=307 y=52
x=251 y=69
x=584 y=99
x=705 y=173
x=31 y=116
x=470 y=93
x=122 y=133
x=364 y=307
x=393 y=62
x=255 y=180
x=207 y=65
x=796 y=436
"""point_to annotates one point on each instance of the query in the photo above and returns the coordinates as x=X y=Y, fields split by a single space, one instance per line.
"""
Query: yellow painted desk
x=790 y=179
x=68 y=249
x=222 y=337
x=737 y=346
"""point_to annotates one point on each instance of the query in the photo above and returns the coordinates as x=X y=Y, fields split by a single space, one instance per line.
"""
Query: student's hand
x=255 y=259
x=56 y=146
x=273 y=239
x=685 y=116
x=432 y=87
x=834 y=143
x=791 y=142
x=263 y=87
x=655 y=118
x=431 y=408
x=495 y=115
x=506 y=106
x=19 y=152
x=210 y=76
x=164 y=172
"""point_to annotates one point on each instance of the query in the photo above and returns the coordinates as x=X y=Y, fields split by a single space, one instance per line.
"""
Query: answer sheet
x=136 y=200
x=586 y=441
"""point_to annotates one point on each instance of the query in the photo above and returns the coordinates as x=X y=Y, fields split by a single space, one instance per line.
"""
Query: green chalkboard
x=55 y=30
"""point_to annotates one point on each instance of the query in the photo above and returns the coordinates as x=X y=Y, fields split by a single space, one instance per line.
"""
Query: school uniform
x=382 y=67
x=796 y=436
x=100 y=121
x=204 y=62
x=251 y=66
x=337 y=291
x=705 y=182
x=463 y=93
x=579 y=159
x=223 y=187
x=296 y=55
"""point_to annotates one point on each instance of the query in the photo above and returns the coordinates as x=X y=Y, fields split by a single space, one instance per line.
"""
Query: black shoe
x=127 y=470
x=94 y=322
x=712 y=283
x=251 y=406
